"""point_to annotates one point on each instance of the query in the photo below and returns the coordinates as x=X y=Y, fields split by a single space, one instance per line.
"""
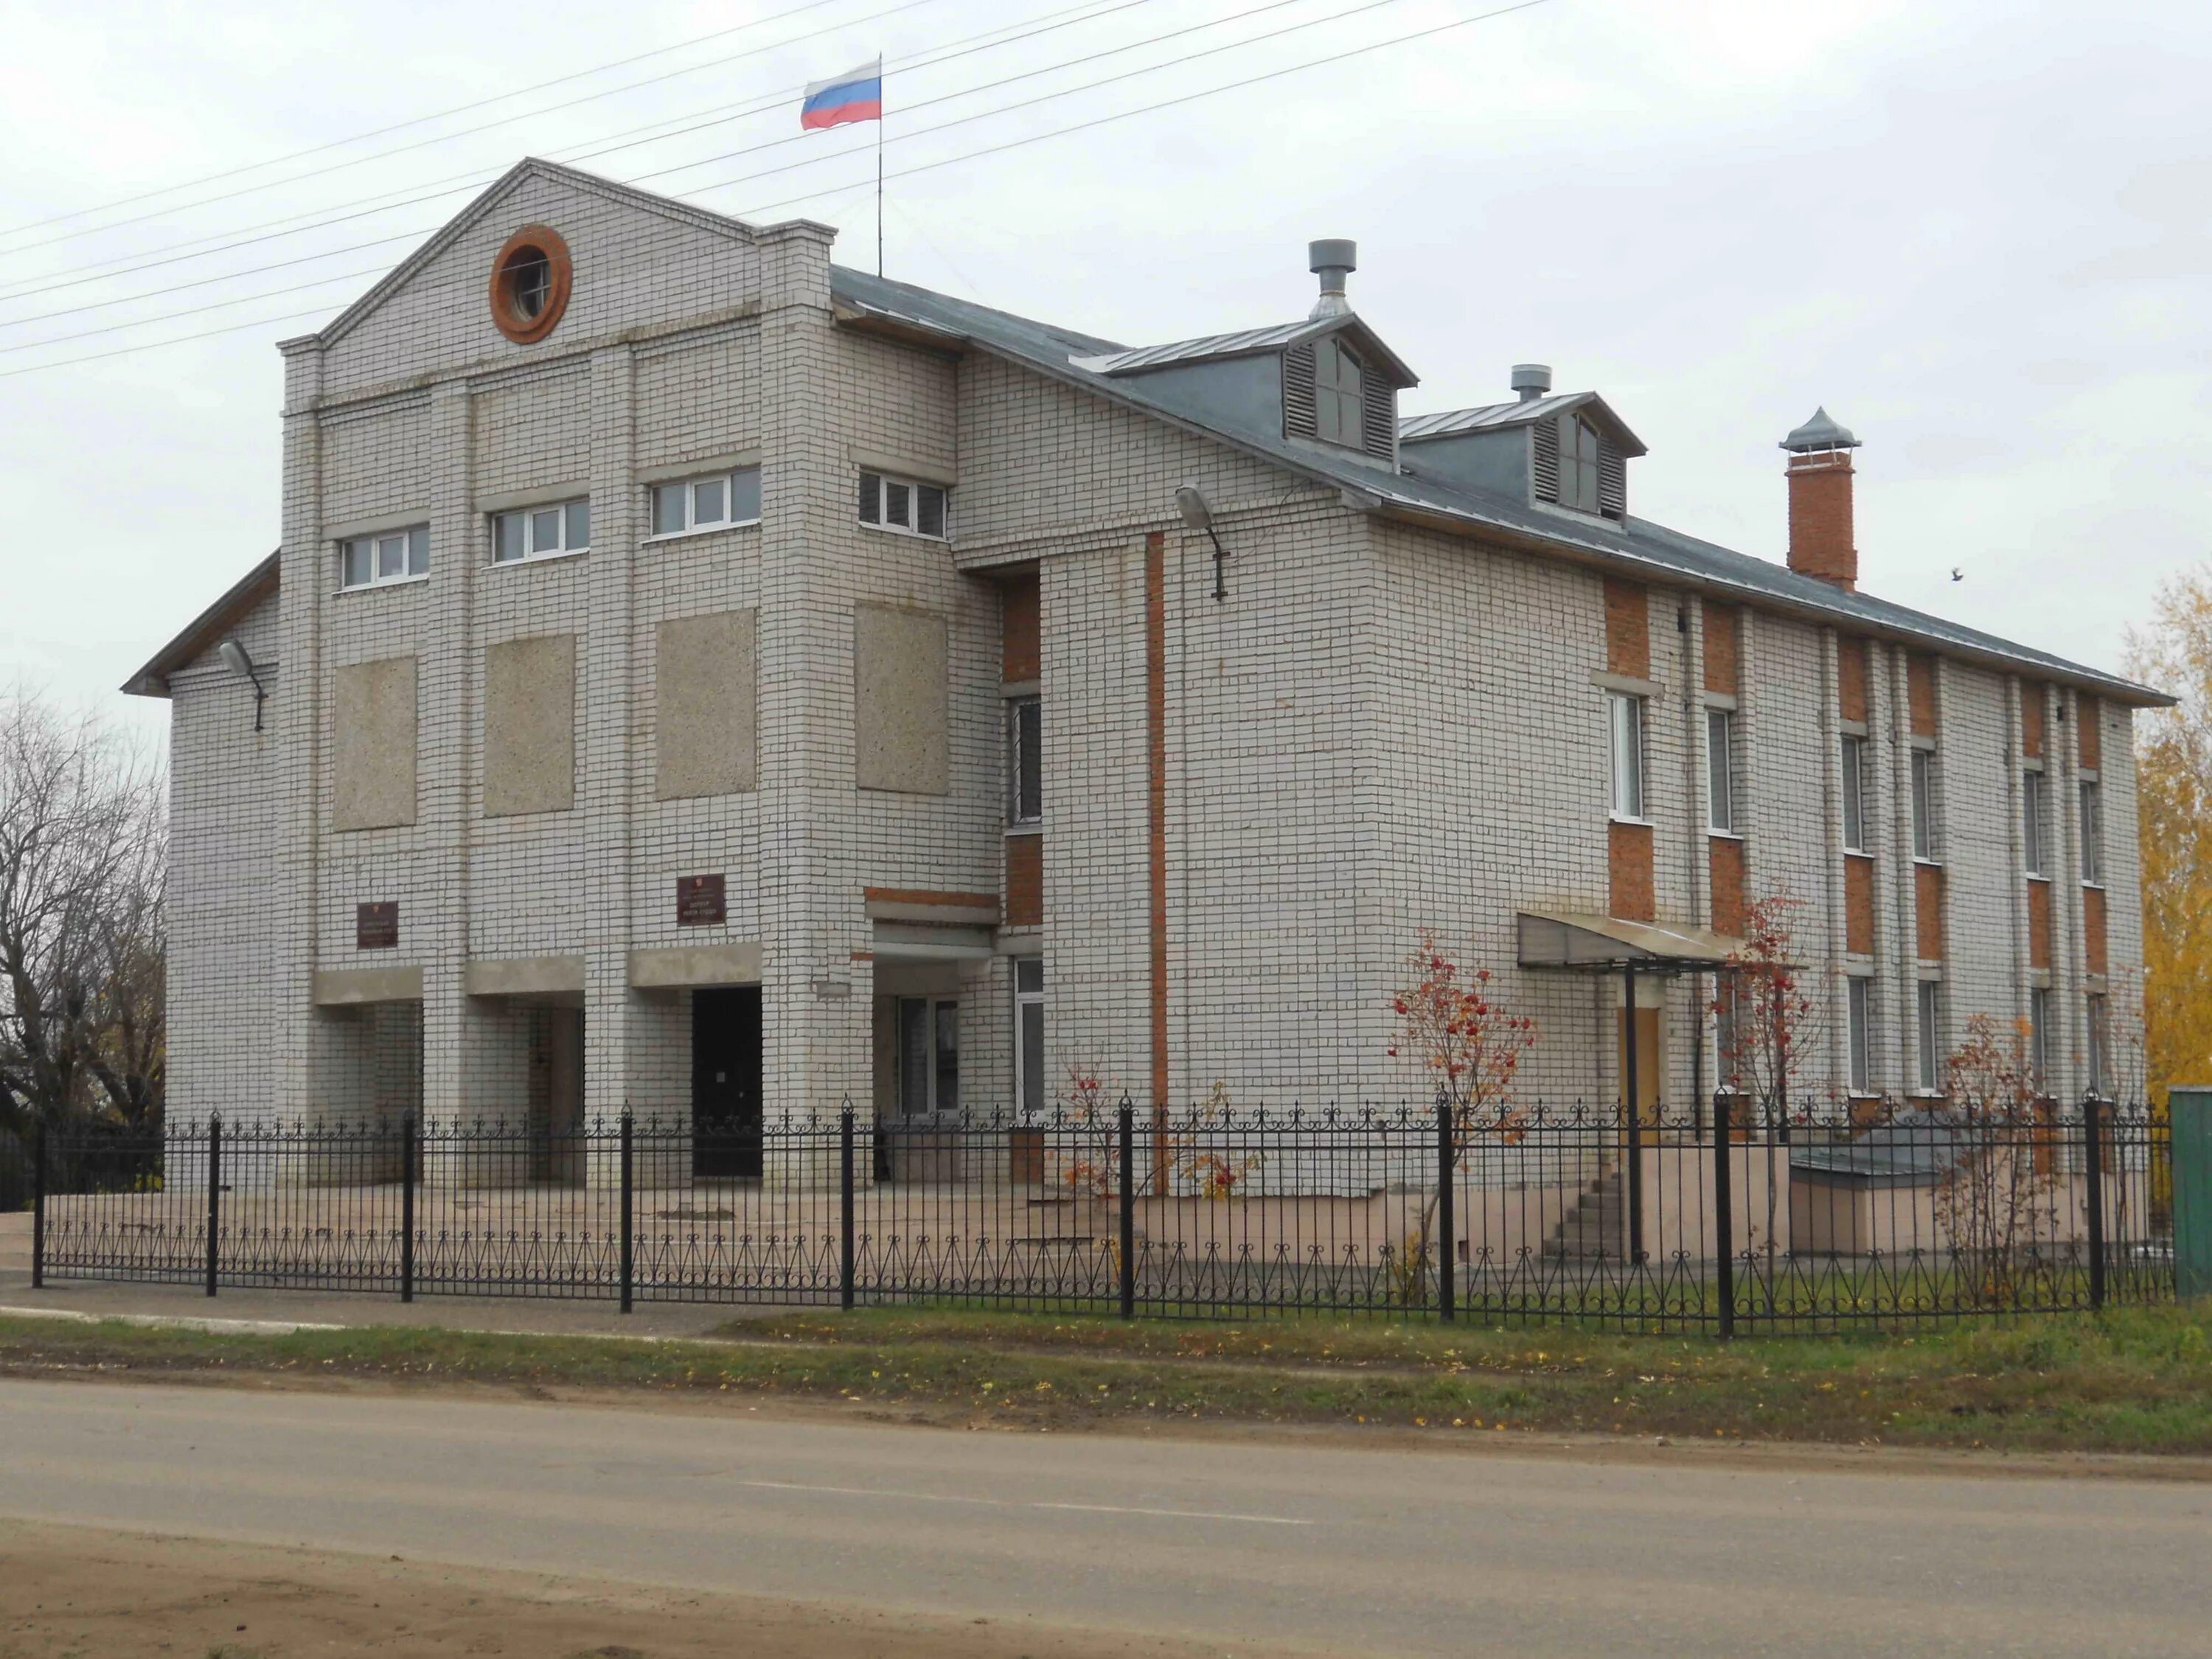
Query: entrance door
x=564 y=1115
x=725 y=1083
x=1650 y=1066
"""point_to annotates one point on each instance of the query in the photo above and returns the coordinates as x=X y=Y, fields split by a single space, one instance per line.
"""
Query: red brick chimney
x=1819 y=474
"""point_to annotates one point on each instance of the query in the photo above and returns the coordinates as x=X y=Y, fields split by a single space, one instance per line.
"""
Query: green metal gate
x=2192 y=1190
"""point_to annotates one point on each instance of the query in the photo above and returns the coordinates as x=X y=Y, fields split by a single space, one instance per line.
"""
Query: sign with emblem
x=701 y=902
x=376 y=926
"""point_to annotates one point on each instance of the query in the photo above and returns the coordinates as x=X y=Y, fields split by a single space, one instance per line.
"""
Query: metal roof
x=1636 y=545
x=1451 y=422
x=1567 y=938
x=1248 y=342
x=1823 y=431
x=204 y=629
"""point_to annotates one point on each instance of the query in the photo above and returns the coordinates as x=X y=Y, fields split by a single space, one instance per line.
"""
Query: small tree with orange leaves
x=1996 y=1197
x=1469 y=1048
x=1768 y=1022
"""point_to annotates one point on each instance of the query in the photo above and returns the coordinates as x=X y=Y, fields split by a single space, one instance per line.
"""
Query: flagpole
x=879 y=175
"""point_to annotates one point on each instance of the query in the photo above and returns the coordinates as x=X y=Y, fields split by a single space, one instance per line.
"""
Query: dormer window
x=1340 y=400
x=1579 y=466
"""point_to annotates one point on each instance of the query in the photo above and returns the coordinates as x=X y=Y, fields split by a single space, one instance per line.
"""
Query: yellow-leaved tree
x=2174 y=785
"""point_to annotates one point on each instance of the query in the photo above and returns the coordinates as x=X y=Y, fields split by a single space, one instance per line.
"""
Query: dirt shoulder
x=2136 y=1383
x=76 y=1590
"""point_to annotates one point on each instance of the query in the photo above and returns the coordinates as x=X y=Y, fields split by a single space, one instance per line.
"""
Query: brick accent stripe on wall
x=1018 y=621
x=2039 y=924
x=2031 y=719
x=1920 y=695
x=1723 y=657
x=1727 y=857
x=1025 y=881
x=2092 y=930
x=1627 y=629
x=1156 y=792
x=1928 y=911
x=1629 y=872
x=1851 y=679
x=1858 y=904
x=2090 y=718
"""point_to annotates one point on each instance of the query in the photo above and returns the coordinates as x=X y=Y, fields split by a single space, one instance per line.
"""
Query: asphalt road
x=1348 y=1551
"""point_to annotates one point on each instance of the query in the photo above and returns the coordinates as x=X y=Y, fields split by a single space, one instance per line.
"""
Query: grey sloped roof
x=1451 y=422
x=1245 y=343
x=1634 y=545
x=206 y=628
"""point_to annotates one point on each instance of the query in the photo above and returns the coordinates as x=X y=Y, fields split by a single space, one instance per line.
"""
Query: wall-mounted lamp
x=235 y=660
x=1197 y=515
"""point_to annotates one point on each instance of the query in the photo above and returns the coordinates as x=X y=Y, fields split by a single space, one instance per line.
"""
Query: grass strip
x=2136 y=1381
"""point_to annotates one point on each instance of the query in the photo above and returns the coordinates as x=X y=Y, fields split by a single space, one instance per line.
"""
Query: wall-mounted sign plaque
x=376 y=926
x=700 y=901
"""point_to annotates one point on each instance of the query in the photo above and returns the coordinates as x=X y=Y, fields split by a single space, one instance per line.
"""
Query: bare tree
x=83 y=939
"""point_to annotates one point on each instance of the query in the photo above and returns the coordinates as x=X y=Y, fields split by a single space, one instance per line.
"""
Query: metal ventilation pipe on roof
x=1332 y=259
x=1531 y=382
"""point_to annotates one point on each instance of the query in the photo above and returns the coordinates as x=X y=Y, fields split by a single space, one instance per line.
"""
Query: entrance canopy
x=1599 y=945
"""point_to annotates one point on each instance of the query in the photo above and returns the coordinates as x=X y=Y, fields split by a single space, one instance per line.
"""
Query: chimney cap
x=1823 y=431
x=1532 y=381
x=1332 y=259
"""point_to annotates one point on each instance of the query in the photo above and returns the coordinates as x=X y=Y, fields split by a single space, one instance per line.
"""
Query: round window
x=530 y=283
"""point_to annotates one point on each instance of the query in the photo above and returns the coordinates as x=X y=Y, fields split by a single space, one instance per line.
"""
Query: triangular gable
x=204 y=629
x=523 y=172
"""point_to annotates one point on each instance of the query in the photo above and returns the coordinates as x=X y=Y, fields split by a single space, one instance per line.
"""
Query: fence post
x=1128 y=1207
x=2092 y=1163
x=407 y=1146
x=1447 y=1220
x=845 y=1286
x=1723 y=1219
x=628 y=1254
x=215 y=1197
x=38 y=1206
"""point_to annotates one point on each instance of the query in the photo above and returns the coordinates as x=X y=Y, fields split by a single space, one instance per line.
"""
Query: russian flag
x=855 y=95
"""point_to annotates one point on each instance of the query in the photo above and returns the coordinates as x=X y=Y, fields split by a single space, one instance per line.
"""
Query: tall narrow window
x=1923 y=803
x=1855 y=814
x=1579 y=467
x=2099 y=1079
x=1861 y=1034
x=1719 y=770
x=1929 y=1011
x=2093 y=834
x=928 y=1036
x=2035 y=821
x=2038 y=1036
x=1024 y=760
x=1339 y=398
x=1625 y=754
x=1028 y=1032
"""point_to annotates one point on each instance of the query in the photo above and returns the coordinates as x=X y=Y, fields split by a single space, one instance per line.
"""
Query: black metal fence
x=1697 y=1222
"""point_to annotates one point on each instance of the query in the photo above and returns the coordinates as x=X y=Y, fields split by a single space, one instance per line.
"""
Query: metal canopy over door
x=725 y=1083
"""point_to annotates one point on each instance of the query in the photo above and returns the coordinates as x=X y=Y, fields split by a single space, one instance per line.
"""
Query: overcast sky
x=1975 y=231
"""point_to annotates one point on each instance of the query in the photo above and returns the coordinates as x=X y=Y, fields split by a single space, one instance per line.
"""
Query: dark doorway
x=725 y=1083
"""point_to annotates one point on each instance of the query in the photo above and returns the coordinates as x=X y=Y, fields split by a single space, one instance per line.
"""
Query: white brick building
x=634 y=734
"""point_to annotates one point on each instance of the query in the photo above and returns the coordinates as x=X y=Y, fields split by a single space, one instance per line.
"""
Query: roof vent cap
x=1531 y=382
x=1823 y=431
x=1332 y=259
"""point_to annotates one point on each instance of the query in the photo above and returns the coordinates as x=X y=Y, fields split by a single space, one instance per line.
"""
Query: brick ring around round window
x=530 y=282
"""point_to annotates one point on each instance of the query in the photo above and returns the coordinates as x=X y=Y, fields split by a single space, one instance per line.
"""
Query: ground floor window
x=1862 y=1035
x=2038 y=1036
x=1028 y=1032
x=1931 y=992
x=928 y=1056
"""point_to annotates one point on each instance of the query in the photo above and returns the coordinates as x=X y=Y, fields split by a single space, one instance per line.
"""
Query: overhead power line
x=421 y=120
x=1323 y=61
x=456 y=184
x=777 y=99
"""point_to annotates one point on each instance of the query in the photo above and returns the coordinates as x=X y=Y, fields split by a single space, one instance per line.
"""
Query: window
x=928 y=1056
x=2093 y=835
x=900 y=504
x=2035 y=821
x=2038 y=1036
x=1024 y=760
x=1340 y=400
x=1860 y=993
x=687 y=505
x=1625 y=754
x=1028 y=1032
x=1855 y=780
x=394 y=555
x=1578 y=464
x=1719 y=770
x=538 y=533
x=2099 y=1081
x=1929 y=1012
x=1923 y=803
